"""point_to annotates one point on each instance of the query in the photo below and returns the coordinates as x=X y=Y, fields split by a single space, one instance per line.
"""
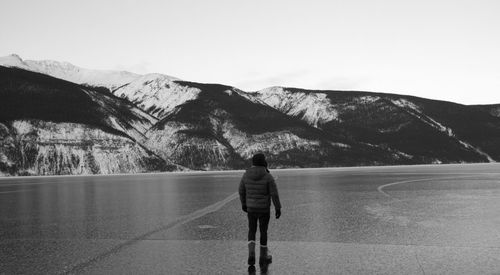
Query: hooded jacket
x=257 y=188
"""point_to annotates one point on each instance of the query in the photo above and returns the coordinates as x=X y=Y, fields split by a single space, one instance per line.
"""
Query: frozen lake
x=409 y=219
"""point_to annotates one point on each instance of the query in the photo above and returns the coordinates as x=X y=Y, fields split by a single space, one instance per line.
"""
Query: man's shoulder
x=269 y=177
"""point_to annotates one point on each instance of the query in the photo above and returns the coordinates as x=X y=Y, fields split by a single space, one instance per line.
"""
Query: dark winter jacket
x=257 y=188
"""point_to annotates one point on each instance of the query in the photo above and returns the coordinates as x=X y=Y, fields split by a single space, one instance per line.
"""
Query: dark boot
x=264 y=258
x=251 y=252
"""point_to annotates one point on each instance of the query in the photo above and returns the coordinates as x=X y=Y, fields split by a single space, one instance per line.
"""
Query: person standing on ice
x=257 y=188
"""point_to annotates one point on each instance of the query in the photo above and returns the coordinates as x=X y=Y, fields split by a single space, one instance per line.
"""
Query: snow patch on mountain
x=394 y=128
x=415 y=111
x=403 y=103
x=69 y=72
x=13 y=60
x=314 y=108
x=366 y=99
x=396 y=154
x=134 y=123
x=157 y=94
x=340 y=144
x=272 y=143
x=355 y=103
x=104 y=78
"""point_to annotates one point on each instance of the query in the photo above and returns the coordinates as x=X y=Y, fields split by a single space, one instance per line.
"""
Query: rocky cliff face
x=314 y=108
x=50 y=126
x=34 y=147
x=157 y=94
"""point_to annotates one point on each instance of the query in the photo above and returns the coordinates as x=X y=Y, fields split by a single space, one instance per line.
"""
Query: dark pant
x=263 y=219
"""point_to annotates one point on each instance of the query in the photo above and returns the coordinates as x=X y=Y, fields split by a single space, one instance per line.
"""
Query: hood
x=256 y=172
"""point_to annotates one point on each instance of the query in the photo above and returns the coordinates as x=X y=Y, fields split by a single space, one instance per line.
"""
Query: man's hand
x=278 y=213
x=244 y=207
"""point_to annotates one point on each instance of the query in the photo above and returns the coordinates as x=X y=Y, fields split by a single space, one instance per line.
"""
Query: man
x=257 y=189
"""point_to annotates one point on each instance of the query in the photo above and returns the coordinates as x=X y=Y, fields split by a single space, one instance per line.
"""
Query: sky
x=439 y=49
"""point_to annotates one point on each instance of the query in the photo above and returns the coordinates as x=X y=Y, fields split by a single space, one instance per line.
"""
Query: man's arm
x=243 y=195
x=273 y=191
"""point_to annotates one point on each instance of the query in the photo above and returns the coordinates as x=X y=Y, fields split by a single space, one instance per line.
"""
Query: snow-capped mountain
x=67 y=71
x=314 y=108
x=156 y=93
x=56 y=118
x=223 y=127
x=51 y=126
x=414 y=128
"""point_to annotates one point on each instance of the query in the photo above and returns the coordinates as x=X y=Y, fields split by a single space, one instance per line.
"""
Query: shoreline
x=233 y=171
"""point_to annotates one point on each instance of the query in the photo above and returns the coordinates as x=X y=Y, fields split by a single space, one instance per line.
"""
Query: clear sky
x=440 y=49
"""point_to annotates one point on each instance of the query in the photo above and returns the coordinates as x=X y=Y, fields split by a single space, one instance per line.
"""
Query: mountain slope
x=426 y=130
x=492 y=109
x=67 y=71
x=33 y=95
x=46 y=115
x=156 y=93
x=224 y=126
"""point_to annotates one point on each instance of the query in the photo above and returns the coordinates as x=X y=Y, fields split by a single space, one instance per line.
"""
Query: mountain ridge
x=110 y=79
x=32 y=103
x=203 y=126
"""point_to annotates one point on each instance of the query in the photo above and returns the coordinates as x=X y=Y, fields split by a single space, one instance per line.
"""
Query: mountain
x=56 y=118
x=223 y=127
x=70 y=72
x=156 y=93
x=427 y=131
x=52 y=126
